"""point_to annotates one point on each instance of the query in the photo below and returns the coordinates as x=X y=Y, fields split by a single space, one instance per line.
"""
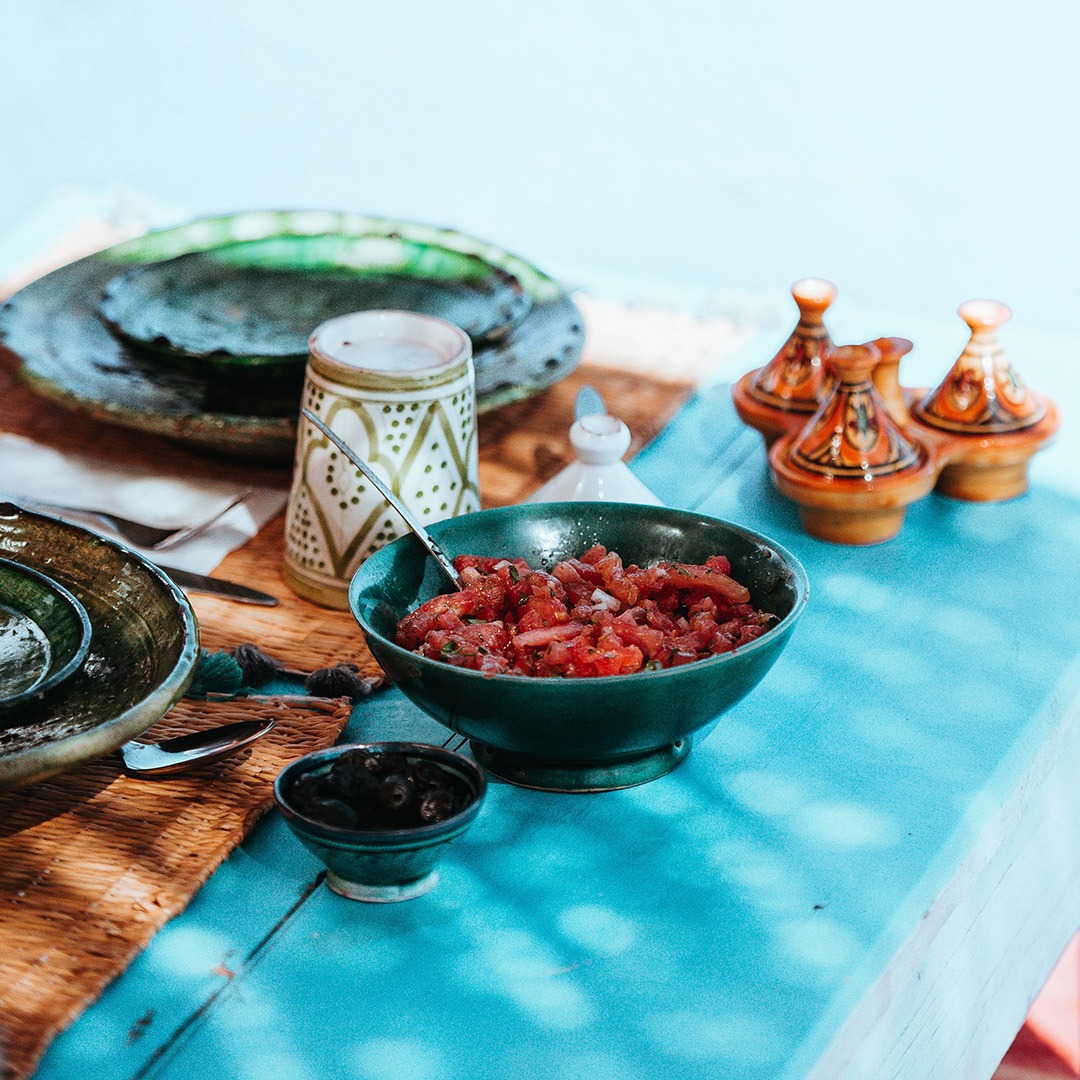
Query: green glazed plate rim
x=67 y=354
x=52 y=677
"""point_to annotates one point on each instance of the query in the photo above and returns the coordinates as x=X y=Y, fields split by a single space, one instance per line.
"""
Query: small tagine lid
x=797 y=378
x=982 y=392
x=852 y=436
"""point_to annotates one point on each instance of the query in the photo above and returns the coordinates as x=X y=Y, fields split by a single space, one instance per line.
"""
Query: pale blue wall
x=917 y=153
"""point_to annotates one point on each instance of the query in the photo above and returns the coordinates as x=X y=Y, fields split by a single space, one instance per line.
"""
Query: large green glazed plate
x=234 y=307
x=68 y=354
x=143 y=651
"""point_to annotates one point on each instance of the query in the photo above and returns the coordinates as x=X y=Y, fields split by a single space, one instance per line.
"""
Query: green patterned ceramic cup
x=397 y=387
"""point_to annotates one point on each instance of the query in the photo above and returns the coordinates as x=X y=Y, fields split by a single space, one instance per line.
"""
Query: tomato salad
x=589 y=616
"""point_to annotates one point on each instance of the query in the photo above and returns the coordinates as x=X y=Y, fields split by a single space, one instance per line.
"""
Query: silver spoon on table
x=187 y=751
x=422 y=534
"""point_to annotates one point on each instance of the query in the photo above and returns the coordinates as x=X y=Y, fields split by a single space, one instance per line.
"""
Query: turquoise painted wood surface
x=866 y=870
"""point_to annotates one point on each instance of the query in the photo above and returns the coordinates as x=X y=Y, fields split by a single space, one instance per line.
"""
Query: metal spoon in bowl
x=422 y=534
x=187 y=751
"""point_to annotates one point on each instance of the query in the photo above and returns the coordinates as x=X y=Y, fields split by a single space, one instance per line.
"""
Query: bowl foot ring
x=544 y=774
x=382 y=894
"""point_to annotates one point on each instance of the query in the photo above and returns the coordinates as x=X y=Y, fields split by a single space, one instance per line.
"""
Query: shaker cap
x=600 y=439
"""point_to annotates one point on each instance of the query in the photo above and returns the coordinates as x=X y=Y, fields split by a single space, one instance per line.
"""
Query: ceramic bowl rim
x=416 y=836
x=74 y=606
x=800 y=580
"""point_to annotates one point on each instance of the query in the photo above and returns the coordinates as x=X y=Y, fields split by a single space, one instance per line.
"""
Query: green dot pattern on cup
x=424 y=446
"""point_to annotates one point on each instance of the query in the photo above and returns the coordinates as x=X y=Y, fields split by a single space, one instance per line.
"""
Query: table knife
x=228 y=590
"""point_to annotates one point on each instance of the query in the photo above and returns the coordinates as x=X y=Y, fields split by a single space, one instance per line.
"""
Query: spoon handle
x=422 y=534
x=186 y=751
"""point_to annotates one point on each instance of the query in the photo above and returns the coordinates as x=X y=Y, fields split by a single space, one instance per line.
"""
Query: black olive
x=332 y=812
x=436 y=805
x=426 y=775
x=362 y=790
x=395 y=792
x=351 y=782
x=305 y=788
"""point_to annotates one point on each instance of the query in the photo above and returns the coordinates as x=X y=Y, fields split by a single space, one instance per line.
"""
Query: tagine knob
x=599 y=441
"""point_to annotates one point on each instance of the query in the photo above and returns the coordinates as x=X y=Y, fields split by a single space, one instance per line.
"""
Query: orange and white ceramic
x=982 y=392
x=797 y=379
x=872 y=446
x=852 y=469
x=886 y=376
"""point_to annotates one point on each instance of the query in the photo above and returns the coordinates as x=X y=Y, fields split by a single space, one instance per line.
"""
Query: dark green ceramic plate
x=44 y=637
x=578 y=734
x=220 y=308
x=143 y=650
x=68 y=354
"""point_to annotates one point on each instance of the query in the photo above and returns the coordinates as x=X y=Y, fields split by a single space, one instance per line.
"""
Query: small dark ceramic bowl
x=44 y=636
x=382 y=865
x=578 y=734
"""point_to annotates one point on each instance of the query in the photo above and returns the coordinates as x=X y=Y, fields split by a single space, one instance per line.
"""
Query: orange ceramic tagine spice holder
x=854 y=448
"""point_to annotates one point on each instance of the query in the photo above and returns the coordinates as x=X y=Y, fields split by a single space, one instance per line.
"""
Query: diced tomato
x=412 y=630
x=486 y=564
x=687 y=576
x=659 y=620
x=615 y=656
x=545 y=635
x=648 y=639
x=588 y=617
x=678 y=657
x=468 y=645
x=616 y=581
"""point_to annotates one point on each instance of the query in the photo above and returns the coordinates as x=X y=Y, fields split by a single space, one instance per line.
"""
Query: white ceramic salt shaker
x=599 y=441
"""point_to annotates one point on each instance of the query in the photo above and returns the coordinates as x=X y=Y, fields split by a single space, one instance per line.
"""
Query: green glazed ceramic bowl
x=578 y=734
x=144 y=647
x=385 y=865
x=44 y=636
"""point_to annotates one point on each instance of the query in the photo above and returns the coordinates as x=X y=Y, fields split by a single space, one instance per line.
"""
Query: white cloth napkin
x=33 y=473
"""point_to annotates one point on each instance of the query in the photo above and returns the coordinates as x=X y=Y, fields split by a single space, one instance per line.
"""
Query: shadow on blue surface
x=715 y=922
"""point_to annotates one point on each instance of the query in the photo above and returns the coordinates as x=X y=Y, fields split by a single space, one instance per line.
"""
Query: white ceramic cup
x=398 y=388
